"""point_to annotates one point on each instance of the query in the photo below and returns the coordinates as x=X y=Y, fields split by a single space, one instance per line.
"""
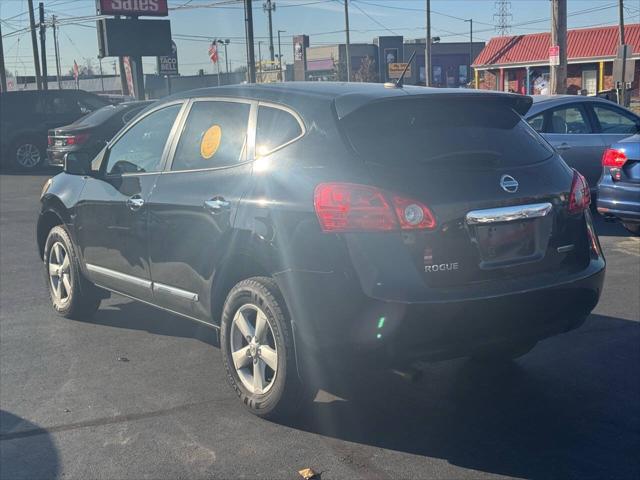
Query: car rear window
x=100 y=116
x=409 y=131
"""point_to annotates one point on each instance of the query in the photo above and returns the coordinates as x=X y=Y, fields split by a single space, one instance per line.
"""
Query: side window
x=214 y=135
x=568 y=120
x=275 y=128
x=61 y=105
x=140 y=148
x=615 y=121
x=537 y=122
x=88 y=104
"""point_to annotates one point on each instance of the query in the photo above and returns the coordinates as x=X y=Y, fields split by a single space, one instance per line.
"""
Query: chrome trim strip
x=204 y=322
x=107 y=272
x=177 y=292
x=508 y=214
x=565 y=248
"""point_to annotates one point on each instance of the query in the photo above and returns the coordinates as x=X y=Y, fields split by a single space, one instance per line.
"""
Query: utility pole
x=43 y=49
x=623 y=91
x=3 y=73
x=251 y=60
x=56 y=47
x=269 y=7
x=427 y=48
x=101 y=74
x=470 y=47
x=559 y=38
x=280 y=56
x=34 y=44
x=347 y=46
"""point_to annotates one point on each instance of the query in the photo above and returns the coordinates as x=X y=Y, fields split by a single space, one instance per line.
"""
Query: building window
x=590 y=81
x=462 y=74
x=437 y=74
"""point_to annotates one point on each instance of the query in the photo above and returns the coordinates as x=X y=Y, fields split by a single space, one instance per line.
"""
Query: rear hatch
x=498 y=192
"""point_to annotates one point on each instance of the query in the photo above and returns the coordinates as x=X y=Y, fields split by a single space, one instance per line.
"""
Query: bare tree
x=367 y=71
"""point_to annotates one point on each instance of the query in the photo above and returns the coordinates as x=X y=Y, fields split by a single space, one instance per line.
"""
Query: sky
x=194 y=23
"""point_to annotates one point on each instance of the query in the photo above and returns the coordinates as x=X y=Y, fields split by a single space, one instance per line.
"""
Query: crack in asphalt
x=99 y=422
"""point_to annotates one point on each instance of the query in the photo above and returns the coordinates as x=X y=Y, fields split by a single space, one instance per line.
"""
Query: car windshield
x=409 y=131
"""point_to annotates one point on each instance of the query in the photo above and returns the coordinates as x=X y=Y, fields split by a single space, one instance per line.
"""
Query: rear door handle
x=217 y=205
x=563 y=146
x=135 y=203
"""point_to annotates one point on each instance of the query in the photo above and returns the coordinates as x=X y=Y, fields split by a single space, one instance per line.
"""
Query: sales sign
x=155 y=8
x=554 y=55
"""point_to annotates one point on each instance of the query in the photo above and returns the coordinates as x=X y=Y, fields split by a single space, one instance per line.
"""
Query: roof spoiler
x=347 y=104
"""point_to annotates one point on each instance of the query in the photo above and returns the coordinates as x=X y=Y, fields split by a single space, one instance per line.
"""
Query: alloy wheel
x=28 y=155
x=253 y=349
x=60 y=272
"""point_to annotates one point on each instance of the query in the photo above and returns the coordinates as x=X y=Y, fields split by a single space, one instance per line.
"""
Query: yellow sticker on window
x=210 y=142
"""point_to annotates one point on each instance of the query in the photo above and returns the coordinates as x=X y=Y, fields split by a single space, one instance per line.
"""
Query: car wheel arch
x=53 y=214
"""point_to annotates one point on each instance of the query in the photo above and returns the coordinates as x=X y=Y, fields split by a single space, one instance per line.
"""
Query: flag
x=76 y=71
x=213 y=52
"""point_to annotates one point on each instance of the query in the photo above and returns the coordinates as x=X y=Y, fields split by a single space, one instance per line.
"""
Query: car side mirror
x=77 y=163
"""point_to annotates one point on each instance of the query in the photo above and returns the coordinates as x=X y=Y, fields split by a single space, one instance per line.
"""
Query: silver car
x=581 y=128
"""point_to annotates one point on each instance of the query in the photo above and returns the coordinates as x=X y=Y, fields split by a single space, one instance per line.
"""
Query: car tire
x=632 y=227
x=504 y=353
x=28 y=153
x=255 y=336
x=72 y=295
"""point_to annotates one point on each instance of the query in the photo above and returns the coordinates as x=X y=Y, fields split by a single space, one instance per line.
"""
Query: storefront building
x=378 y=61
x=521 y=63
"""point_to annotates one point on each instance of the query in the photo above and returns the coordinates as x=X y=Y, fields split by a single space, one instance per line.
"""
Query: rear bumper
x=332 y=317
x=619 y=200
x=55 y=157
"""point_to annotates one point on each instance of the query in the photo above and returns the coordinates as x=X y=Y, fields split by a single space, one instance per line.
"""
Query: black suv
x=322 y=225
x=27 y=116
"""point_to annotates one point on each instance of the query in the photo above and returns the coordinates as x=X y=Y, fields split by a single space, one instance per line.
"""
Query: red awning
x=597 y=43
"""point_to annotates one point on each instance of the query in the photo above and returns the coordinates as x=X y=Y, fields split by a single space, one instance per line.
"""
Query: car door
x=111 y=215
x=193 y=205
x=613 y=123
x=569 y=129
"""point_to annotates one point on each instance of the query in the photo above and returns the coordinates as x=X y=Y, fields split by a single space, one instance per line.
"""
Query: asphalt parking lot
x=138 y=393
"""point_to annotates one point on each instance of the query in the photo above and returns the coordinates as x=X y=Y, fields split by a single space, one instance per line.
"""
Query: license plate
x=507 y=241
x=59 y=143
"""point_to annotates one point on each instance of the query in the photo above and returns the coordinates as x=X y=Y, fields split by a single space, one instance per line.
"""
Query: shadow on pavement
x=26 y=450
x=609 y=228
x=559 y=412
x=138 y=316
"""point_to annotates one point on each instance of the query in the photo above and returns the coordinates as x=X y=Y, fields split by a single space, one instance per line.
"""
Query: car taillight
x=580 y=196
x=348 y=207
x=49 y=140
x=614 y=159
x=77 y=139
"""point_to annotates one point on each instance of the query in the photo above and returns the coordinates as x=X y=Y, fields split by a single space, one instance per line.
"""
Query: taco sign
x=155 y=8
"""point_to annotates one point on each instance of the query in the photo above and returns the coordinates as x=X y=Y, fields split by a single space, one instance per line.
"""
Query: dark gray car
x=581 y=128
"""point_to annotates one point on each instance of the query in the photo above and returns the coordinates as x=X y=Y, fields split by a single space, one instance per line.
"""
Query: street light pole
x=260 y=59
x=280 y=55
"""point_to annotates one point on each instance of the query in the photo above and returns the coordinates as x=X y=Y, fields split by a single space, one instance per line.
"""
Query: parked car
x=91 y=132
x=26 y=117
x=319 y=226
x=581 y=129
x=619 y=186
